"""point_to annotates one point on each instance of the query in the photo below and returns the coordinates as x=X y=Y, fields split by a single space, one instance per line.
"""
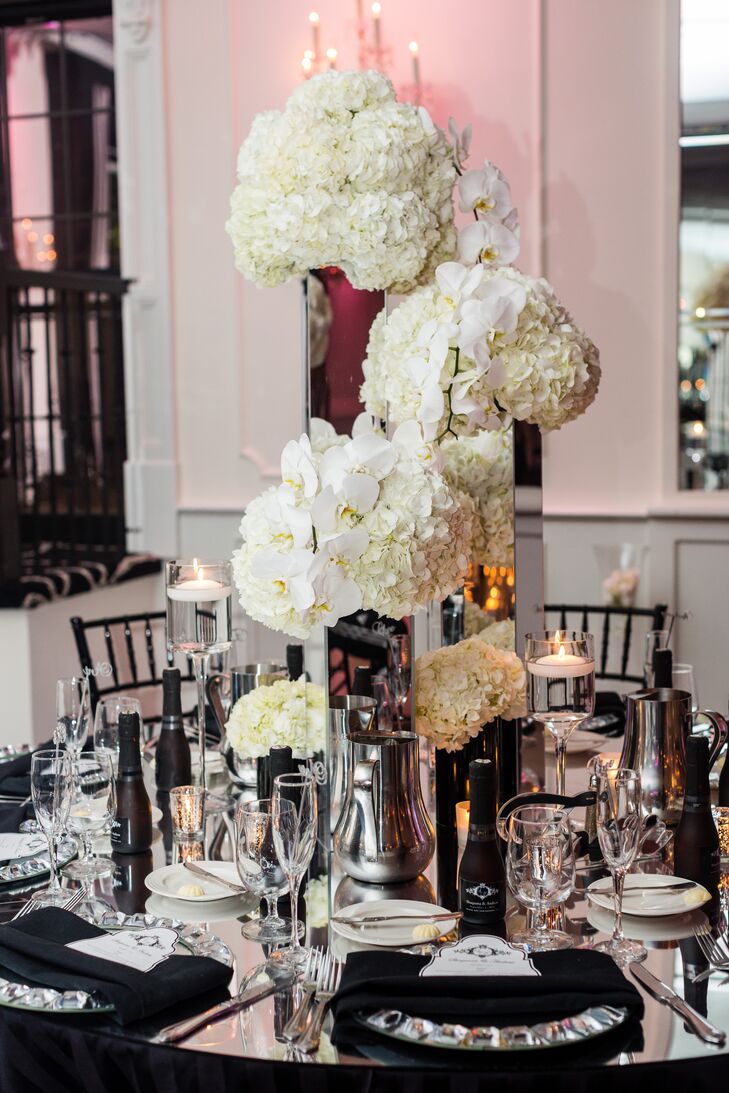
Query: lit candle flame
x=376 y=9
x=413 y=47
x=314 y=18
x=561 y=652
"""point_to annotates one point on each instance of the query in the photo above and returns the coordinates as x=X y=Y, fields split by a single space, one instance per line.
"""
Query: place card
x=480 y=954
x=138 y=949
x=19 y=845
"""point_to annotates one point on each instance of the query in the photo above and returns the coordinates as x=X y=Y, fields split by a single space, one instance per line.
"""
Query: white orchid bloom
x=343 y=549
x=409 y=438
x=461 y=142
x=335 y=594
x=431 y=409
x=321 y=432
x=288 y=574
x=297 y=467
x=488 y=242
x=493 y=369
x=485 y=192
x=419 y=370
x=365 y=424
x=290 y=524
x=458 y=282
x=370 y=453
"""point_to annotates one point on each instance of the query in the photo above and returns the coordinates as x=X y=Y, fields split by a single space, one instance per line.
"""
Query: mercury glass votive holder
x=721 y=819
x=187 y=807
x=188 y=851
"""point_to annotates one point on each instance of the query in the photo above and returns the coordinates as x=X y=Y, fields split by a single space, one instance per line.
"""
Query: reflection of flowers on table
x=463 y=687
x=283 y=714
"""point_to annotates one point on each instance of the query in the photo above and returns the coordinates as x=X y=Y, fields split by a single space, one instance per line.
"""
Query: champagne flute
x=73 y=715
x=400 y=670
x=294 y=813
x=92 y=807
x=260 y=870
x=619 y=832
x=51 y=782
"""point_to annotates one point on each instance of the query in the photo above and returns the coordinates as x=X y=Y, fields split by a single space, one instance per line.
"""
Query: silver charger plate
x=22 y=869
x=196 y=942
x=592 y=1022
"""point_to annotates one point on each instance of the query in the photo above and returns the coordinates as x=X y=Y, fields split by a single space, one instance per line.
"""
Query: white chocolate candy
x=425 y=931
x=190 y=890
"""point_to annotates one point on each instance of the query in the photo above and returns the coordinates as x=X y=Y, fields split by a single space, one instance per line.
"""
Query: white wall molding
x=151 y=468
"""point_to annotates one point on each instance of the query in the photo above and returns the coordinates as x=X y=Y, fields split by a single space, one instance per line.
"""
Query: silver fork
x=327 y=984
x=295 y=1028
x=75 y=897
x=713 y=948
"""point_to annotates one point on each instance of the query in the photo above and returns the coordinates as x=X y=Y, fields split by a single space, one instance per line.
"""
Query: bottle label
x=121 y=831
x=481 y=901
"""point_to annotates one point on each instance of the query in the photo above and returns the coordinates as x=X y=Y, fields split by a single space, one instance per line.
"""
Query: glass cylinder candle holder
x=187 y=807
x=560 y=685
x=199 y=622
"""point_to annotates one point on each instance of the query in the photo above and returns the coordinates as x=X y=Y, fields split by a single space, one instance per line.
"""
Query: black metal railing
x=62 y=419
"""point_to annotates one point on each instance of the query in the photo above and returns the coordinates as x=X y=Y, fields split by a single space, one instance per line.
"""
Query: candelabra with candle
x=199 y=610
x=561 y=685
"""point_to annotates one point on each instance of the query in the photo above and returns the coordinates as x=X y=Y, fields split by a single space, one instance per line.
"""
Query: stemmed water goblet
x=294 y=813
x=72 y=716
x=92 y=808
x=620 y=833
x=540 y=871
x=106 y=724
x=199 y=615
x=51 y=783
x=561 y=686
x=259 y=869
x=400 y=670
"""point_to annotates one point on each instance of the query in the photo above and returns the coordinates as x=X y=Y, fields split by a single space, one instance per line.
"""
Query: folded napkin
x=34 y=949
x=15 y=773
x=12 y=816
x=569 y=982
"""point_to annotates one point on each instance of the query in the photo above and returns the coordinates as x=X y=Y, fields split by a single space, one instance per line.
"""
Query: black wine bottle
x=131 y=828
x=696 y=843
x=663 y=668
x=295 y=661
x=481 y=877
x=172 y=764
x=362 y=682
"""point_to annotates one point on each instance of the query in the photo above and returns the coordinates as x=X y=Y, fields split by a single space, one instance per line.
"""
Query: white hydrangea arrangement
x=345 y=176
x=462 y=687
x=287 y=713
x=483 y=467
x=476 y=349
x=502 y=635
x=357 y=522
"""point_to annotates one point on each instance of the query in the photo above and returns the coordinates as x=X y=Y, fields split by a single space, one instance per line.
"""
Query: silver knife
x=181 y=1029
x=378 y=920
x=238 y=888
x=668 y=997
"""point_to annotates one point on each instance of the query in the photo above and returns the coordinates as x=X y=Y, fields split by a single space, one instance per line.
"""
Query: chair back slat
x=585 y=624
x=563 y=620
x=626 y=644
x=605 y=642
x=110 y=653
x=130 y=652
x=150 y=648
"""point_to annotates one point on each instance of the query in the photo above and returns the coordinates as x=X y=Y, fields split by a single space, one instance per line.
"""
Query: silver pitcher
x=241 y=680
x=347 y=713
x=657 y=724
x=384 y=833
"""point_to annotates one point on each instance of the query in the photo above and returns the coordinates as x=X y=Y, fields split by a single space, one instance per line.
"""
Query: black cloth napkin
x=33 y=949
x=15 y=773
x=569 y=982
x=12 y=816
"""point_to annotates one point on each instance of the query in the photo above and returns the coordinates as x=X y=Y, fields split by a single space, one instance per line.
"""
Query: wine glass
x=106 y=724
x=619 y=832
x=400 y=670
x=561 y=685
x=654 y=639
x=92 y=807
x=260 y=870
x=51 y=782
x=684 y=679
x=294 y=813
x=72 y=715
x=383 y=700
x=540 y=871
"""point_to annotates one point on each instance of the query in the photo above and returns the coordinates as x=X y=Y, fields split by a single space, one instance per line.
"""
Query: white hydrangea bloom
x=517 y=351
x=483 y=467
x=378 y=527
x=283 y=714
x=344 y=176
x=474 y=619
x=462 y=687
x=502 y=635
